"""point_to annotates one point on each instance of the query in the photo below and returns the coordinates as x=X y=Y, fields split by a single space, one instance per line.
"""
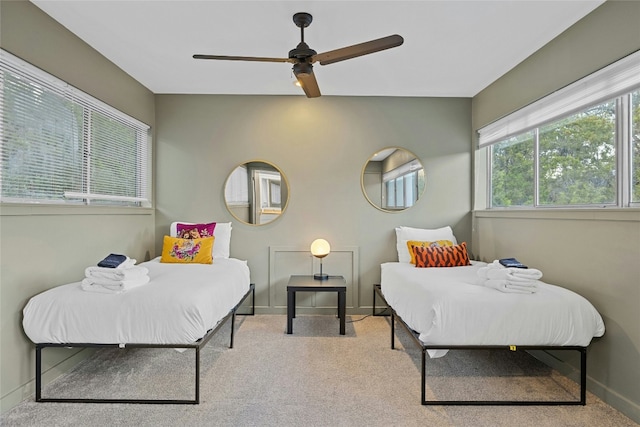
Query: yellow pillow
x=421 y=244
x=175 y=249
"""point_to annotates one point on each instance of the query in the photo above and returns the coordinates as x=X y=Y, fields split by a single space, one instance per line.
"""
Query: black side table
x=309 y=284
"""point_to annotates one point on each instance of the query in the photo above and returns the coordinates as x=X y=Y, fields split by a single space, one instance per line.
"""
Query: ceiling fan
x=302 y=57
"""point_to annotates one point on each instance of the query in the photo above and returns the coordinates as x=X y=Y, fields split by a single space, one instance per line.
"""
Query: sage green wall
x=593 y=252
x=42 y=247
x=607 y=34
x=321 y=145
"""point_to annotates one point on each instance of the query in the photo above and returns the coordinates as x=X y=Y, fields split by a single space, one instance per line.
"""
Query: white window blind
x=236 y=190
x=61 y=145
x=402 y=170
x=618 y=78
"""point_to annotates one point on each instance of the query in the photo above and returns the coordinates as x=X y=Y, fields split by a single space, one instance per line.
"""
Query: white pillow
x=222 y=234
x=404 y=234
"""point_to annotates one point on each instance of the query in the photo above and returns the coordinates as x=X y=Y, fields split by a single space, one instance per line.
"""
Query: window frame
x=618 y=83
x=90 y=106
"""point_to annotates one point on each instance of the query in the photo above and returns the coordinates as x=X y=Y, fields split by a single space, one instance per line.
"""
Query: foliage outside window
x=577 y=147
x=59 y=145
x=512 y=174
x=577 y=158
x=571 y=161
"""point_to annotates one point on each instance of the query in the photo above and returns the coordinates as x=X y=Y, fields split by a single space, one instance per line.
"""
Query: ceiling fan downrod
x=302 y=20
x=302 y=52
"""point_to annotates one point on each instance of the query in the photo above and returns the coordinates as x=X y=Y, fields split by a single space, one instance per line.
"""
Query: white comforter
x=179 y=305
x=446 y=306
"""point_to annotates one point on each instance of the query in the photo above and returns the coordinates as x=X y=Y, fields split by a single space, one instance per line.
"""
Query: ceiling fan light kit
x=302 y=57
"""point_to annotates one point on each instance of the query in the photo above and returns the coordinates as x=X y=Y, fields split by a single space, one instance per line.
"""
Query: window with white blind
x=402 y=185
x=578 y=147
x=59 y=145
x=236 y=190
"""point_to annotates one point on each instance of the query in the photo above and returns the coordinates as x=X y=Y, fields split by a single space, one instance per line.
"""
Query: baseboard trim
x=628 y=408
x=28 y=390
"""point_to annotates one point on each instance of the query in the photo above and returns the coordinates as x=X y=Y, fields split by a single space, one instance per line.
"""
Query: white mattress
x=179 y=305
x=446 y=306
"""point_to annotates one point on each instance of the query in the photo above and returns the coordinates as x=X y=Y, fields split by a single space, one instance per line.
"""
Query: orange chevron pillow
x=441 y=256
x=412 y=243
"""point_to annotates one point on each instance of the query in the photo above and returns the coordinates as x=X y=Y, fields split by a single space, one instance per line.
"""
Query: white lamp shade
x=320 y=248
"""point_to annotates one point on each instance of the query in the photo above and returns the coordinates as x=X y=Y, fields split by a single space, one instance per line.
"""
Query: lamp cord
x=357 y=320
x=367 y=315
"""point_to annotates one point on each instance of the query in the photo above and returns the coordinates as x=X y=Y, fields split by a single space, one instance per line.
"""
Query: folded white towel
x=98 y=289
x=510 y=274
x=112 y=286
x=482 y=273
x=128 y=263
x=527 y=288
x=115 y=273
x=115 y=283
x=525 y=273
x=515 y=280
x=495 y=270
x=509 y=279
x=504 y=286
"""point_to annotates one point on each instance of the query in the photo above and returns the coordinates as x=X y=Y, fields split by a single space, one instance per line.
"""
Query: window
x=59 y=145
x=269 y=189
x=512 y=171
x=578 y=147
x=236 y=191
x=635 y=146
x=402 y=185
x=577 y=158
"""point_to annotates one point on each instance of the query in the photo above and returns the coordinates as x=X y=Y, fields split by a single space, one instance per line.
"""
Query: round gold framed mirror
x=256 y=192
x=393 y=179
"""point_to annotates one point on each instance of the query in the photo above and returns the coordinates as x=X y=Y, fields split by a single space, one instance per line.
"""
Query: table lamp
x=320 y=248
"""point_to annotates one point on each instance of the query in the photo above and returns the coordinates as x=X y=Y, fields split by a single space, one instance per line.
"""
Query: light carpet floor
x=314 y=377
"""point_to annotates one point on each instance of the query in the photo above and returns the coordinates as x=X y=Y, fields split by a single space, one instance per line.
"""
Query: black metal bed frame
x=415 y=336
x=197 y=346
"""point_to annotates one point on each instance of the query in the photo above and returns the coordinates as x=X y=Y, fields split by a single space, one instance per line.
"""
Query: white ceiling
x=452 y=48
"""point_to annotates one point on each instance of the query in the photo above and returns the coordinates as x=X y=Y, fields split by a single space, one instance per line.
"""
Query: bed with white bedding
x=180 y=307
x=448 y=307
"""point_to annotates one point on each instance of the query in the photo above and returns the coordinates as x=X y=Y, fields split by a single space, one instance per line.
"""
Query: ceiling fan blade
x=242 y=58
x=356 y=50
x=304 y=73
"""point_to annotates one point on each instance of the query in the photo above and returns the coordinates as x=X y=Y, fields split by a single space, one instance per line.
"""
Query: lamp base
x=321 y=276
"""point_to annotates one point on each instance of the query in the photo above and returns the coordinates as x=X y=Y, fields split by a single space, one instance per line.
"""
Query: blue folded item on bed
x=511 y=263
x=112 y=261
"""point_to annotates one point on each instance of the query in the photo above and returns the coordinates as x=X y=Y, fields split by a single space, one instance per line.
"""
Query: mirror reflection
x=393 y=179
x=256 y=192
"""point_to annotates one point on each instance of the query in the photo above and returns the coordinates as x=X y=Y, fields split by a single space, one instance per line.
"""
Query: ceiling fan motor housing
x=302 y=52
x=303 y=68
